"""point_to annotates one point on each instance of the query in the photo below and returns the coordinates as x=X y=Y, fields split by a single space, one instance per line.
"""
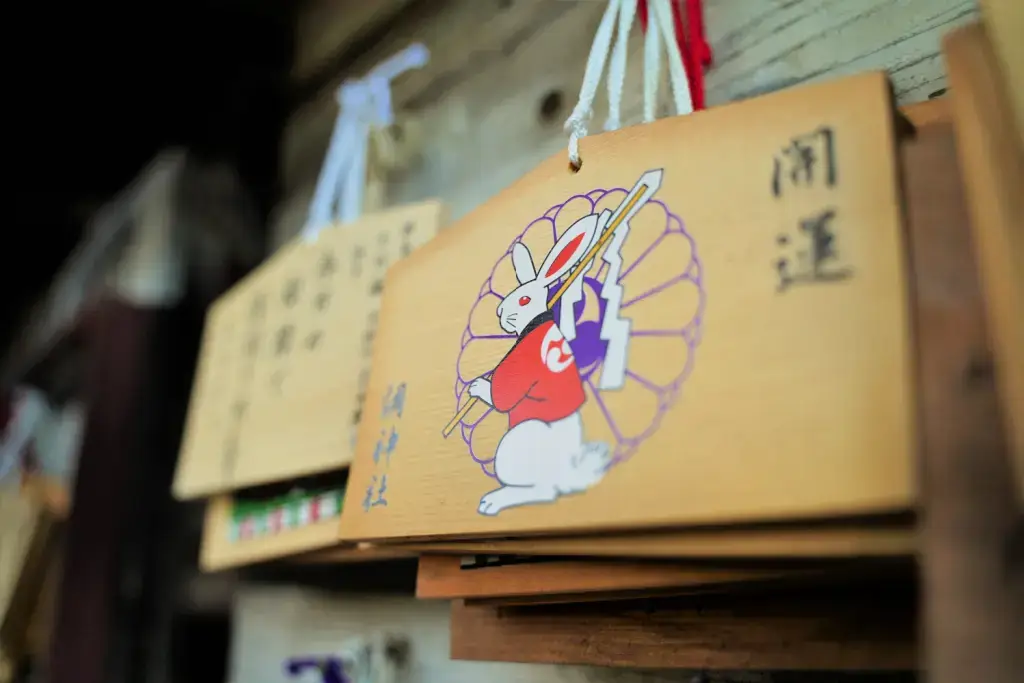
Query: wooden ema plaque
x=285 y=356
x=707 y=324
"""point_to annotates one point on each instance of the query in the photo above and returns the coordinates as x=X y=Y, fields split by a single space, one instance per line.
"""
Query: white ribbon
x=617 y=66
x=363 y=104
x=621 y=14
x=576 y=124
x=659 y=19
x=29 y=409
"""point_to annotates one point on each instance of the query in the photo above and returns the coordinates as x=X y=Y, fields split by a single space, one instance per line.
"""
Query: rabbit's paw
x=512 y=496
x=481 y=388
x=593 y=457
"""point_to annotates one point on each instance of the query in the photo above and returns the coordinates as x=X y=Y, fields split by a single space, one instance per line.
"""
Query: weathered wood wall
x=504 y=74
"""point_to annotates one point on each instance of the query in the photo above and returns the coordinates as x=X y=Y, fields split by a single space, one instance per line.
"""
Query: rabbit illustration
x=543 y=454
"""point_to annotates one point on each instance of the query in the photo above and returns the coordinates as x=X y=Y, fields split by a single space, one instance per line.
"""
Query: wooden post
x=967 y=500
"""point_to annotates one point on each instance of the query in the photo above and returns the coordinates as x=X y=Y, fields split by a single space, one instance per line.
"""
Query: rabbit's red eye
x=523 y=300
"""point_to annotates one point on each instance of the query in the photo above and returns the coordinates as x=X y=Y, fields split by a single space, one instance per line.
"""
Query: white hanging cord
x=617 y=67
x=357 y=98
x=576 y=124
x=660 y=30
x=363 y=104
x=659 y=14
x=29 y=409
x=652 y=66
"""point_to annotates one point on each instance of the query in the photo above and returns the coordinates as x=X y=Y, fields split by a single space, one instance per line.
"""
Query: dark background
x=97 y=89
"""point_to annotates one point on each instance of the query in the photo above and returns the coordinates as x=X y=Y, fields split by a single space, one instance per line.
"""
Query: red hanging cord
x=698 y=39
x=694 y=71
x=693 y=45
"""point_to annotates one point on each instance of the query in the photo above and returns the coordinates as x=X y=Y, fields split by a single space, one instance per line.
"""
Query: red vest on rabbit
x=538 y=379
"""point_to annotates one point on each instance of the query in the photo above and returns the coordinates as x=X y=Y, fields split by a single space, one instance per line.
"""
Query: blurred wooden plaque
x=285 y=354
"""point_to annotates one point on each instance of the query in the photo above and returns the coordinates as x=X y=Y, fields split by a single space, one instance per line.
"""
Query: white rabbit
x=542 y=455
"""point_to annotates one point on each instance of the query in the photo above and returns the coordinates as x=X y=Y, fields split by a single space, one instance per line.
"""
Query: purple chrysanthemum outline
x=667 y=394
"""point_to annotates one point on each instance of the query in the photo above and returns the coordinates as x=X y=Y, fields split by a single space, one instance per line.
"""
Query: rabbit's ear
x=522 y=261
x=569 y=249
